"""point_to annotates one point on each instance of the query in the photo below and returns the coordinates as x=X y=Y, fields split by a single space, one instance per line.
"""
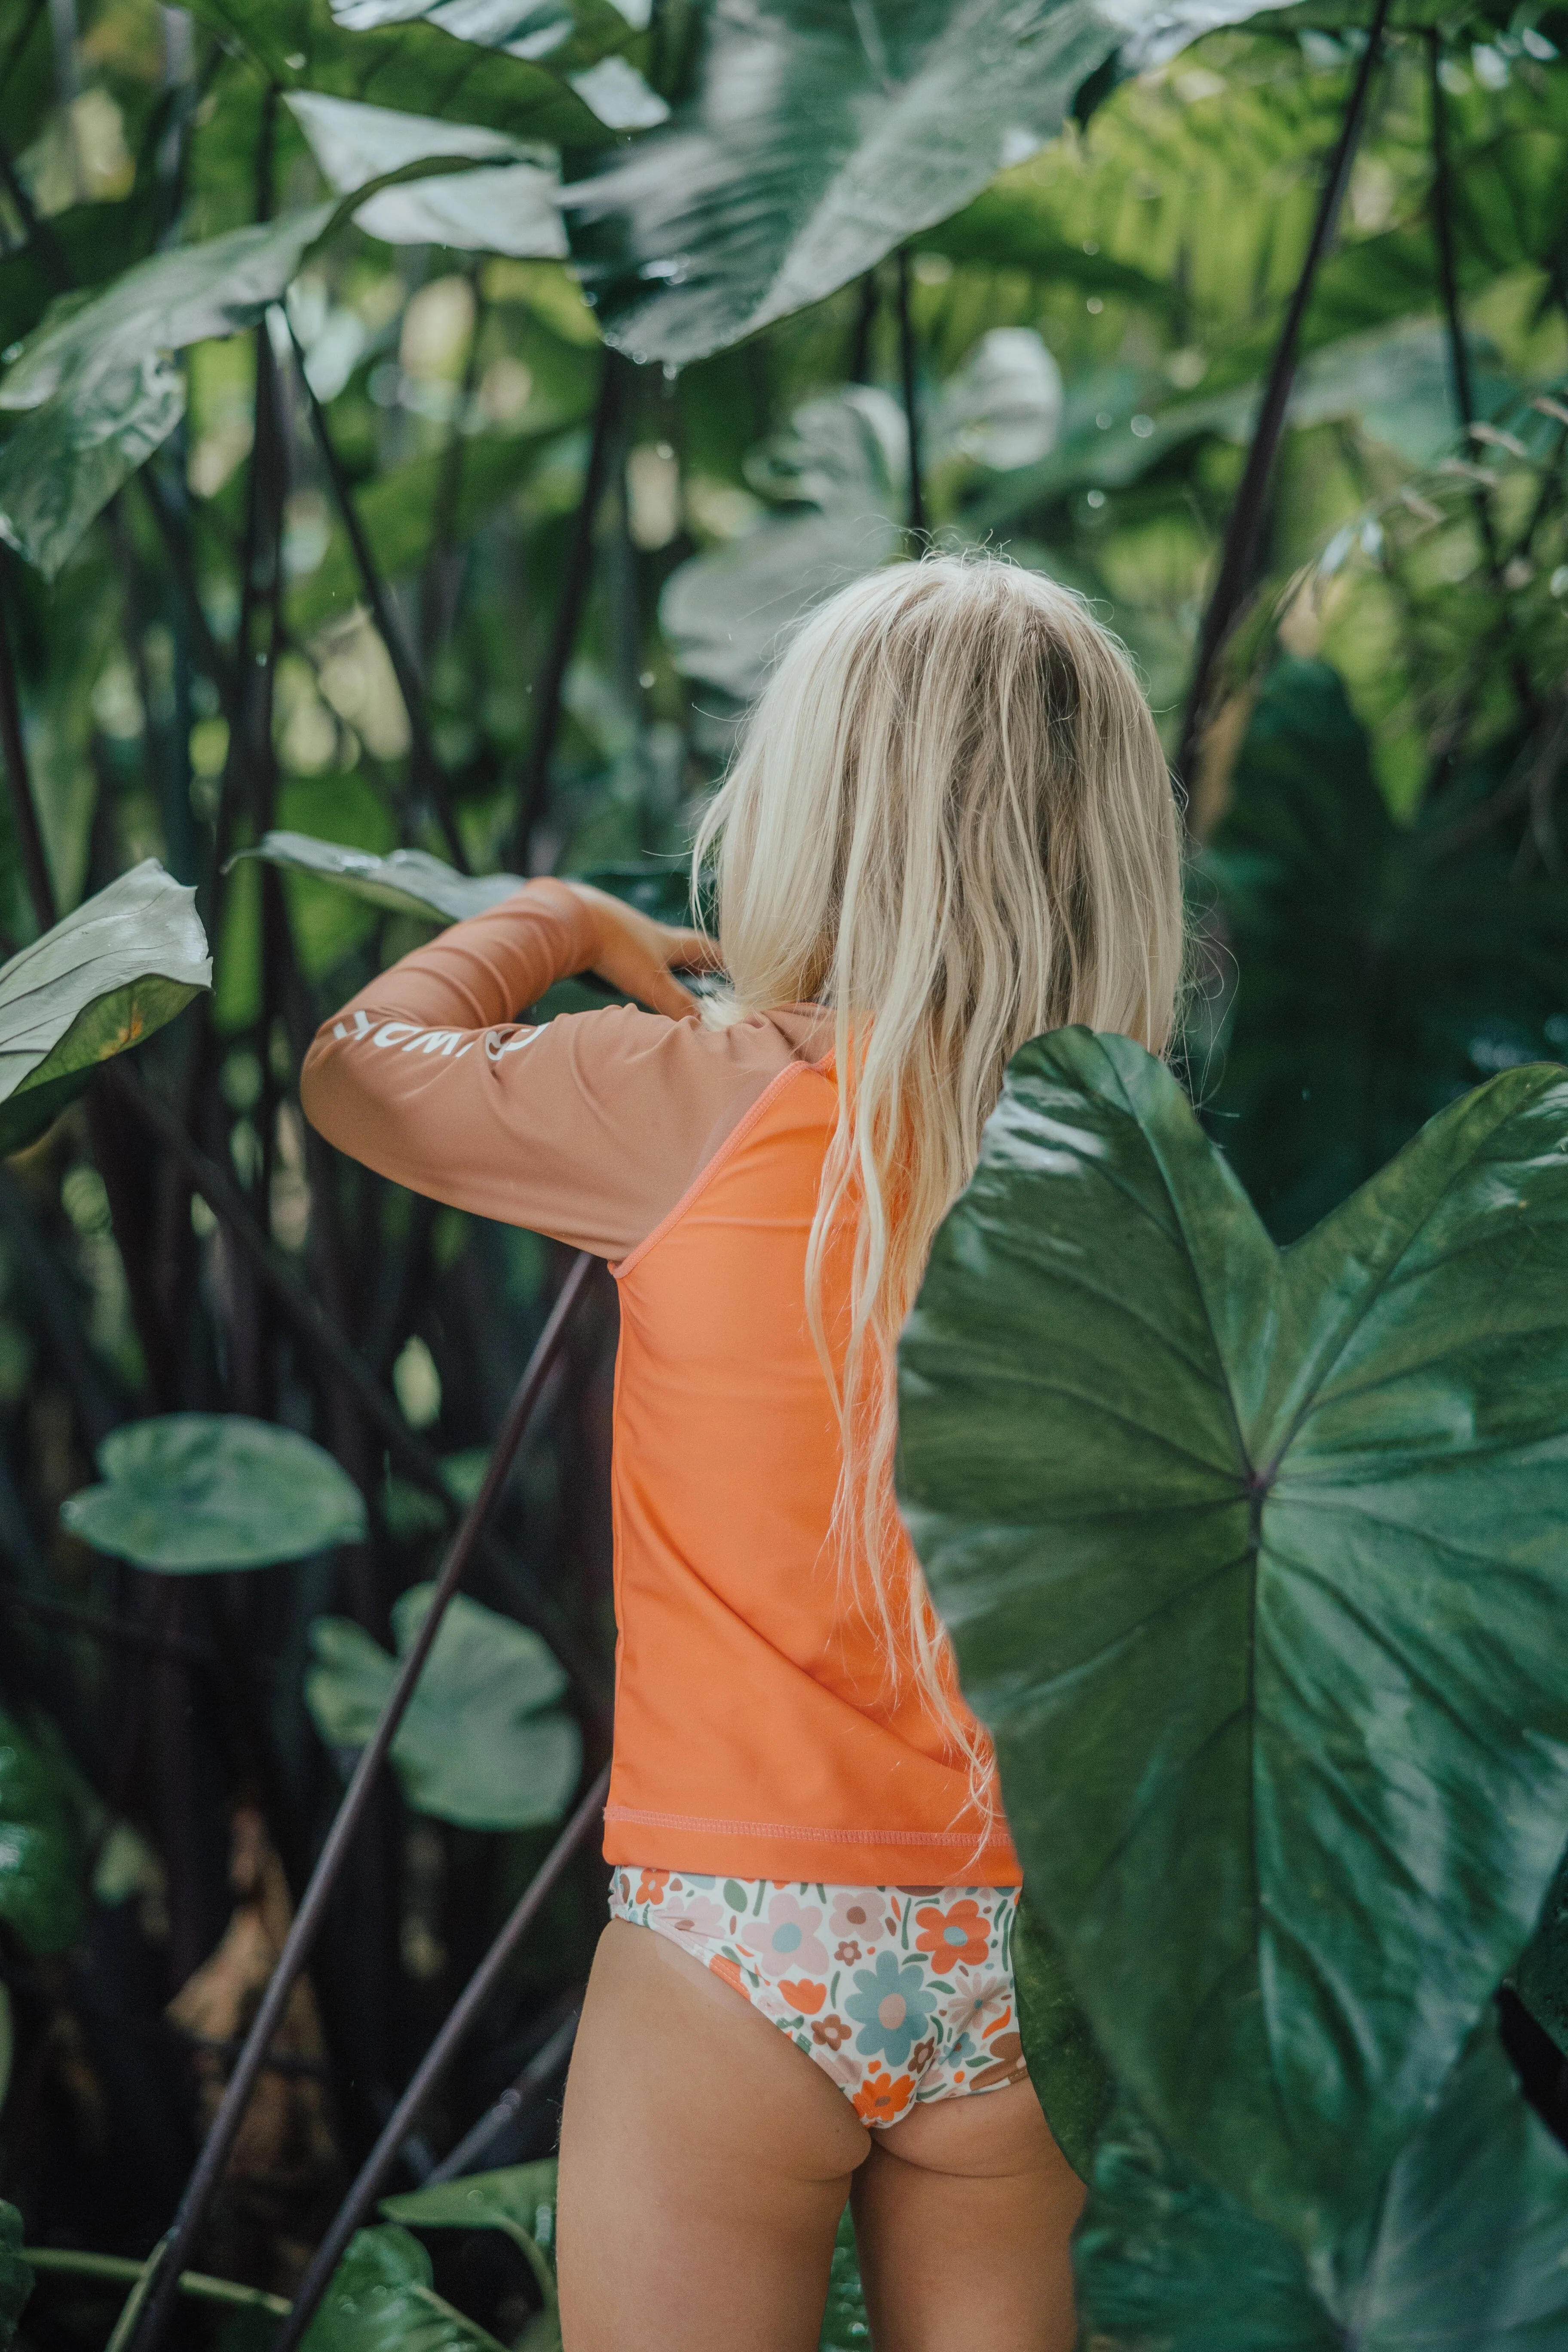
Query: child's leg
x=704 y=2163
x=962 y=2214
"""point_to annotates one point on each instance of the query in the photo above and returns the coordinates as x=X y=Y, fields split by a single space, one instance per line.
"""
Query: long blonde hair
x=949 y=812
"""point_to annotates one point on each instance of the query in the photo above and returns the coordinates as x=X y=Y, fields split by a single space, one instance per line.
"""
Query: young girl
x=949 y=827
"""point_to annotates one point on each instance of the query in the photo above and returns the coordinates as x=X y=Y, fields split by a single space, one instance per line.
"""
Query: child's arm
x=589 y=1127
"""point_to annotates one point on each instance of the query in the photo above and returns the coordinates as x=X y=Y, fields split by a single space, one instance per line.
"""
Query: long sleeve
x=588 y=1127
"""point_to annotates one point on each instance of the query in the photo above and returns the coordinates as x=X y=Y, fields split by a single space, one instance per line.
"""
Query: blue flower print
x=892 y=2007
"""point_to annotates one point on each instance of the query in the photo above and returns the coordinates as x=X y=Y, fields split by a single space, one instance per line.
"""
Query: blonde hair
x=949 y=812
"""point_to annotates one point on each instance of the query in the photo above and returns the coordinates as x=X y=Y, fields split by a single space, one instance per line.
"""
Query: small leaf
x=124 y=963
x=1004 y=406
x=43 y=1853
x=1071 y=2077
x=484 y=1743
x=63 y=464
x=511 y=2199
x=193 y=1493
x=381 y=2300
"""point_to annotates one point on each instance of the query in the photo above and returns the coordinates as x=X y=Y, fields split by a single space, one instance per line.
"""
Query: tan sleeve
x=588 y=1127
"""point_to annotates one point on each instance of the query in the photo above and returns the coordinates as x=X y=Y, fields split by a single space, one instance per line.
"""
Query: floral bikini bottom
x=900 y=1993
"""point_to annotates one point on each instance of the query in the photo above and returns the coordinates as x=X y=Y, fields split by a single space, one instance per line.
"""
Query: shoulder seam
x=711 y=1166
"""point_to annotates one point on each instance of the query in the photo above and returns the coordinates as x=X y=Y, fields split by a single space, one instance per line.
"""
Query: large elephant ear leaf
x=380 y=2299
x=818 y=138
x=518 y=2200
x=1254 y=1566
x=409 y=881
x=1071 y=2077
x=505 y=205
x=193 y=1493
x=15 y=2275
x=124 y=963
x=1540 y=1979
x=1461 y=2253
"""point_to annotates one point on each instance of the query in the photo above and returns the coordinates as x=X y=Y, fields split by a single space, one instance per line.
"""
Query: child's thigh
x=964 y=2214
x=704 y=2163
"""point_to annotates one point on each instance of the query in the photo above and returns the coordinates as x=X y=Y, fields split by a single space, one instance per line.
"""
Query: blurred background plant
x=419 y=425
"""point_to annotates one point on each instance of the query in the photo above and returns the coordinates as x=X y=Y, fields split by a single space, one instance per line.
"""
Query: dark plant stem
x=535 y=795
x=208 y=2172
x=856 y=367
x=1449 y=283
x=428 y=775
x=431 y=2067
x=113 y=1632
x=440 y=574
x=513 y=2102
x=1238 y=556
x=24 y=808
x=907 y=372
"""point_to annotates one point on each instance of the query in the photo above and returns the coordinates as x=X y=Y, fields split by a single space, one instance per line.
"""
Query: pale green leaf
x=410 y=881
x=508 y=205
x=191 y=1493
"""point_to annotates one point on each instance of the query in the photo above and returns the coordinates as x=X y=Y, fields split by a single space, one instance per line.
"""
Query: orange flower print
x=848 y=1953
x=722 y=1966
x=807 y=1997
x=958 y=1937
x=651 y=1885
x=831 y=2032
x=883 y=2098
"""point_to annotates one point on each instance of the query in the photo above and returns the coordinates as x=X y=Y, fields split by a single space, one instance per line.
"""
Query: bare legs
x=705 y=2162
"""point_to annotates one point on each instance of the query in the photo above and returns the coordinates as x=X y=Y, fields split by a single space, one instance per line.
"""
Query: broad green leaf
x=124 y=963
x=405 y=63
x=484 y=1742
x=574 y=39
x=518 y=2200
x=381 y=2300
x=181 y=296
x=410 y=881
x=191 y=1493
x=508 y=206
x=1461 y=2253
x=101 y=393
x=726 y=613
x=42 y=1857
x=1070 y=2078
x=63 y=464
x=1253 y=1563
x=15 y=2275
x=821 y=135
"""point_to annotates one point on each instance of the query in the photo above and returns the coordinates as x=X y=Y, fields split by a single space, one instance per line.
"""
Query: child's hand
x=636 y=955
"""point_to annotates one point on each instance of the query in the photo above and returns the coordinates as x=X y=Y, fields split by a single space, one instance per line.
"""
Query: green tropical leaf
x=124 y=963
x=484 y=1742
x=15 y=2275
x=821 y=136
x=43 y=1860
x=405 y=63
x=409 y=881
x=63 y=464
x=508 y=205
x=1071 y=2077
x=381 y=2300
x=193 y=1493
x=518 y=2200
x=1264 y=1551
x=1541 y=1978
x=844 y=2327
x=1461 y=2253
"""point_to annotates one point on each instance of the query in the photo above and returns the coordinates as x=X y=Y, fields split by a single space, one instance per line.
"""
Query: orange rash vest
x=758 y=1733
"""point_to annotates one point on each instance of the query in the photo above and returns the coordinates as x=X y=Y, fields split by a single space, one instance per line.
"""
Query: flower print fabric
x=900 y=1994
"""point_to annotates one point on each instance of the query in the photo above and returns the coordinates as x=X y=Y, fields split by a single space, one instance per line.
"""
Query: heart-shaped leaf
x=15 y=2275
x=125 y=962
x=518 y=2200
x=1254 y=1565
x=191 y=1493
x=43 y=1855
x=484 y=1743
x=508 y=205
x=821 y=135
x=1463 y=2251
x=381 y=2300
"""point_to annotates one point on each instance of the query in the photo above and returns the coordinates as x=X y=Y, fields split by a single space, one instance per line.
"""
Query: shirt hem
x=788 y=1851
